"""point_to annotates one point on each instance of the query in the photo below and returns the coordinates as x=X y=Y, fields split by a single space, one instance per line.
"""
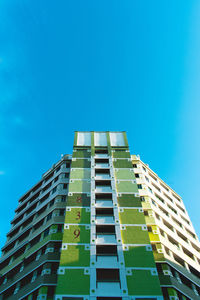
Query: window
x=54 y=189
x=105 y=229
x=60 y=228
x=156 y=187
x=61 y=212
x=139 y=186
x=64 y=186
x=56 y=179
x=46 y=232
x=152 y=176
x=107 y=275
x=63 y=198
x=51 y=203
x=144 y=168
x=57 y=169
x=101 y=151
x=147 y=179
x=49 y=217
x=106 y=250
x=137 y=175
x=150 y=190
x=134 y=166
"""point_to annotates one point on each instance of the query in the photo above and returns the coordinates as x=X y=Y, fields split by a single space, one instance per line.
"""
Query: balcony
x=105 y=239
x=101 y=155
x=108 y=282
x=102 y=165
x=108 y=288
x=103 y=261
x=104 y=203
x=104 y=219
x=103 y=189
x=102 y=176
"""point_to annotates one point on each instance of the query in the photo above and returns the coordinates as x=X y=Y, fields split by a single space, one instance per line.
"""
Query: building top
x=100 y=138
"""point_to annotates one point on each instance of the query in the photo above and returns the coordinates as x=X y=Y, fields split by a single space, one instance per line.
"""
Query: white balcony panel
x=101 y=155
x=101 y=165
x=100 y=139
x=106 y=239
x=102 y=176
x=84 y=139
x=117 y=139
x=104 y=203
x=104 y=220
x=108 y=288
x=107 y=262
x=103 y=189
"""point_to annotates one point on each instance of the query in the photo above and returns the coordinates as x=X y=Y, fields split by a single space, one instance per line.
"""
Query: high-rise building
x=100 y=225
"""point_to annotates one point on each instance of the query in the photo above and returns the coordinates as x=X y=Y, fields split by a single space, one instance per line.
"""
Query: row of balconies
x=32 y=235
x=40 y=196
x=34 y=219
x=47 y=256
x=43 y=183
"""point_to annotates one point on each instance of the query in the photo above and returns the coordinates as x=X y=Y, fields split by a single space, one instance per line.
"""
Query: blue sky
x=99 y=65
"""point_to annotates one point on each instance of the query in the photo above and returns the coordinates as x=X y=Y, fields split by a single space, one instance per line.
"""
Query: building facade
x=99 y=225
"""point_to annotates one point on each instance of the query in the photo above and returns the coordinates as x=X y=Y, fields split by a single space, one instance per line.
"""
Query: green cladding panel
x=73 y=282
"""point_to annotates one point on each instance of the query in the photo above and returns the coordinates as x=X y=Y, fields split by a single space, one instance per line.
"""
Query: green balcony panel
x=81 y=163
x=78 y=199
x=73 y=282
x=131 y=216
x=75 y=256
x=77 y=215
x=121 y=154
x=76 y=234
x=158 y=256
x=80 y=174
x=43 y=290
x=79 y=186
x=124 y=174
x=81 y=154
x=134 y=235
x=122 y=163
x=143 y=283
x=128 y=200
x=139 y=256
x=172 y=292
x=153 y=233
x=126 y=187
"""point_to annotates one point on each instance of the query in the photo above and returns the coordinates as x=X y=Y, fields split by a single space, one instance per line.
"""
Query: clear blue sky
x=99 y=65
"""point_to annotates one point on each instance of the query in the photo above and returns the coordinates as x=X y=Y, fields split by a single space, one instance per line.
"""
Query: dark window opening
x=103 y=183
x=103 y=196
x=107 y=275
x=104 y=211
x=105 y=229
x=101 y=151
x=102 y=171
x=107 y=250
x=101 y=161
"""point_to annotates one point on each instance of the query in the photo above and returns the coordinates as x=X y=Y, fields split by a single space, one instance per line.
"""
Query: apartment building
x=99 y=225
